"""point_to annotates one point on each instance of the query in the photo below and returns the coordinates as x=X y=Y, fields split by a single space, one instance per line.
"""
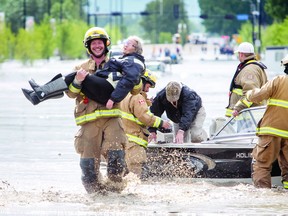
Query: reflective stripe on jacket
x=250 y=74
x=137 y=140
x=136 y=117
x=97 y=114
x=87 y=110
x=132 y=118
x=274 y=121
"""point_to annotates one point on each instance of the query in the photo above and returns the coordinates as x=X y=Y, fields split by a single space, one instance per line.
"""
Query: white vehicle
x=157 y=67
x=198 y=38
x=273 y=56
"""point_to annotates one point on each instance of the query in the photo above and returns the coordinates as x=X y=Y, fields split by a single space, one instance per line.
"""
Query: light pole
x=256 y=16
x=255 y=10
x=24 y=14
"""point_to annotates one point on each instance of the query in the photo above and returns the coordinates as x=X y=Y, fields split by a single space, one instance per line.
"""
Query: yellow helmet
x=149 y=77
x=96 y=33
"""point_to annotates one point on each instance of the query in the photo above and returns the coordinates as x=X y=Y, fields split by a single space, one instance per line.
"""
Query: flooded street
x=40 y=172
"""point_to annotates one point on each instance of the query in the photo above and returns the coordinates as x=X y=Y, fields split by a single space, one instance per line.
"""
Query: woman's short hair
x=139 y=43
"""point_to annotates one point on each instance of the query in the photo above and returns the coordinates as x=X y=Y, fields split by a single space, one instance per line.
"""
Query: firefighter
x=249 y=74
x=136 y=118
x=272 y=130
x=101 y=129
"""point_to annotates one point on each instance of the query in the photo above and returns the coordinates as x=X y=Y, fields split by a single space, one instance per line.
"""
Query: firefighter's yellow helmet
x=149 y=77
x=96 y=33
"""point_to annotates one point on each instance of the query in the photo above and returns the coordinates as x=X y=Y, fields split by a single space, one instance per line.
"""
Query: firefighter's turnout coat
x=136 y=118
x=274 y=121
x=250 y=74
x=87 y=110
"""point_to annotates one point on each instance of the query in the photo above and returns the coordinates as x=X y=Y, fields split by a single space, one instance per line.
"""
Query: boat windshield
x=245 y=122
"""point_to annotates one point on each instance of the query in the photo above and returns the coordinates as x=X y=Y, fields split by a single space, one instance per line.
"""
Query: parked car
x=226 y=50
x=225 y=155
x=157 y=67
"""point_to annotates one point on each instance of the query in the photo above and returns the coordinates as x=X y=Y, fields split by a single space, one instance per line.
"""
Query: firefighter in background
x=272 y=130
x=136 y=118
x=101 y=128
x=249 y=74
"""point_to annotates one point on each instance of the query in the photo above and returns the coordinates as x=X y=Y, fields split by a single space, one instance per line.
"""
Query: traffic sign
x=242 y=16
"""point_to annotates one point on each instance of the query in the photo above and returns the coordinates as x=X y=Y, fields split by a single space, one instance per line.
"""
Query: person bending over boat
x=272 y=130
x=107 y=86
x=184 y=107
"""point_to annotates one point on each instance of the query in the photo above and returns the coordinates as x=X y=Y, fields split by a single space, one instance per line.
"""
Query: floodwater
x=40 y=173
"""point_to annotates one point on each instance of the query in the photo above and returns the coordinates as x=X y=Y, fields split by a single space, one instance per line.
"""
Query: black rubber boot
x=33 y=84
x=89 y=177
x=116 y=165
x=33 y=98
x=55 y=86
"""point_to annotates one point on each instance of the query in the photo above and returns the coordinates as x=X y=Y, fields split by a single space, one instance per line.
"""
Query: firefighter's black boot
x=33 y=98
x=116 y=165
x=55 y=86
x=89 y=177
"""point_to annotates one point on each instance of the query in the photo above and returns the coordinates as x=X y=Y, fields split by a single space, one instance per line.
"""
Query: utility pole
x=259 y=24
x=48 y=7
x=24 y=14
x=61 y=11
x=88 y=12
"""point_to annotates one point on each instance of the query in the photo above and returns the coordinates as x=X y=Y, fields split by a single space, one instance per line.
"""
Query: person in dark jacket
x=184 y=108
x=107 y=86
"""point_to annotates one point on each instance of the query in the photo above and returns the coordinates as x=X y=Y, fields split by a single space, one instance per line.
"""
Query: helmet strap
x=98 y=56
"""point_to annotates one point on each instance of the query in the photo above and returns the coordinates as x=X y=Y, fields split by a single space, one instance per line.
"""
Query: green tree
x=57 y=9
x=45 y=33
x=70 y=39
x=163 y=18
x=7 y=43
x=276 y=34
x=114 y=32
x=165 y=37
x=216 y=22
x=27 y=46
x=245 y=32
x=278 y=9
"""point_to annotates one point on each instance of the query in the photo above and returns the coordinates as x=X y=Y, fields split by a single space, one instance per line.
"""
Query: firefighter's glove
x=179 y=137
